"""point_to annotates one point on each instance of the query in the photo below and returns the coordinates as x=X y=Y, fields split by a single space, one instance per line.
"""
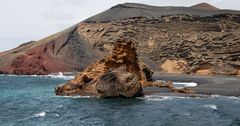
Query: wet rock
x=118 y=75
x=119 y=83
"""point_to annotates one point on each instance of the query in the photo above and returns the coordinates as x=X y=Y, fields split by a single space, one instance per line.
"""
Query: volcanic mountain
x=197 y=39
x=204 y=6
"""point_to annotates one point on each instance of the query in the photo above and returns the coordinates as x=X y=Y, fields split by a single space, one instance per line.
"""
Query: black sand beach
x=207 y=85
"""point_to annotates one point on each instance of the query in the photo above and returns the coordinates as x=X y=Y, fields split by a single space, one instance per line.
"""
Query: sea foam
x=40 y=114
x=180 y=85
x=75 y=96
x=59 y=75
x=161 y=98
x=228 y=97
x=210 y=106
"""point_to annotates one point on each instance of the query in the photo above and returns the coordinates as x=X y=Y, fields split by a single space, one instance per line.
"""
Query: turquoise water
x=30 y=101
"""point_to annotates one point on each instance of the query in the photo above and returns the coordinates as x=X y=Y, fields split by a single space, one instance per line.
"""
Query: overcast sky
x=25 y=20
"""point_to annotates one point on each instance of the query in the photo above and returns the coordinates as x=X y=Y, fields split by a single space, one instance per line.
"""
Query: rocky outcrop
x=206 y=40
x=118 y=75
x=177 y=43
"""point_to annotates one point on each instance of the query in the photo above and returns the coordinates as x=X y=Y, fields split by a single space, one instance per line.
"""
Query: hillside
x=204 y=6
x=170 y=39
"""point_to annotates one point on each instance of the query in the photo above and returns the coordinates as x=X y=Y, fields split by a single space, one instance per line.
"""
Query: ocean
x=30 y=101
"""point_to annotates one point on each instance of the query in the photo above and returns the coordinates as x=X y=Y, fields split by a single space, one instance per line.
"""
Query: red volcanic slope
x=62 y=52
x=204 y=6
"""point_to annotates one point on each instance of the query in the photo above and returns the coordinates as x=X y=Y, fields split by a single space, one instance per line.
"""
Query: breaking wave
x=210 y=106
x=40 y=114
x=161 y=98
x=180 y=85
x=228 y=97
x=59 y=75
x=165 y=98
x=75 y=96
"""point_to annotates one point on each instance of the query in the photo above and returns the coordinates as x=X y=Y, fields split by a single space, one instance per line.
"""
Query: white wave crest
x=210 y=106
x=57 y=115
x=161 y=98
x=59 y=75
x=40 y=114
x=228 y=97
x=180 y=85
x=76 y=96
x=13 y=75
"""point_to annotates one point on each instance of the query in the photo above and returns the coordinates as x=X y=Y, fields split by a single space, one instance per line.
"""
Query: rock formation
x=178 y=43
x=170 y=39
x=118 y=75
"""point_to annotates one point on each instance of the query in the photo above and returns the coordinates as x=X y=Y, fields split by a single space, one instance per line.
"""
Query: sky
x=25 y=20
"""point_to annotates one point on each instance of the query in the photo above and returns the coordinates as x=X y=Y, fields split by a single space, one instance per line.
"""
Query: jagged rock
x=118 y=75
x=119 y=83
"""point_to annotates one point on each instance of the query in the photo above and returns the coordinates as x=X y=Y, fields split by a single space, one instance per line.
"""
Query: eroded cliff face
x=118 y=75
x=197 y=39
x=177 y=43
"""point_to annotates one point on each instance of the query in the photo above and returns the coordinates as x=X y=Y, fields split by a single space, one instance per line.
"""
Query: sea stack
x=118 y=75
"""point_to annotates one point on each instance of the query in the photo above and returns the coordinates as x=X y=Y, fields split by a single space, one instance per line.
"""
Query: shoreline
x=207 y=85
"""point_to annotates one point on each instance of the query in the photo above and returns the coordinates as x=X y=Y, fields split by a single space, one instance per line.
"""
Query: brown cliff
x=179 y=43
x=170 y=39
